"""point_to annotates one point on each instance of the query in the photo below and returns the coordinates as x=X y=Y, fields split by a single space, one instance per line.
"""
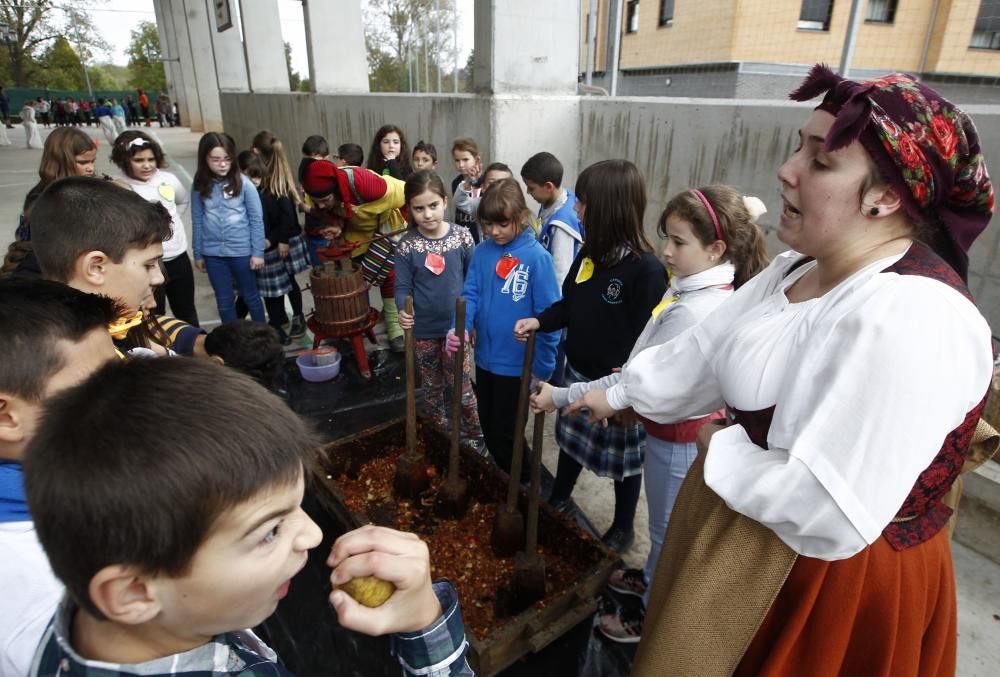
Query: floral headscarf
x=925 y=146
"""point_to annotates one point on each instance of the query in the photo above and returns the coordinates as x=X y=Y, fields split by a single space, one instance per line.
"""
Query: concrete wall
x=676 y=143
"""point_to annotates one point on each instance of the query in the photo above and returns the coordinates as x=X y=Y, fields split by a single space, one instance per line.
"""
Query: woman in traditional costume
x=808 y=538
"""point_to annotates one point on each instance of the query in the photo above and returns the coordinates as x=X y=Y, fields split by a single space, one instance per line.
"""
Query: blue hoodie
x=493 y=304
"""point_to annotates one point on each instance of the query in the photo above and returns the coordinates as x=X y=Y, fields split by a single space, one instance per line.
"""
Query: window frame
x=663 y=21
x=983 y=29
x=891 y=6
x=807 y=24
x=631 y=17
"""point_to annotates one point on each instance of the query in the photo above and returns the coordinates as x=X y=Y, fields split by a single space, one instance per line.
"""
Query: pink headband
x=711 y=212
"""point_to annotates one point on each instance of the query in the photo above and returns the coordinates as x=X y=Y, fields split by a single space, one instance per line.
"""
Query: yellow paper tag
x=166 y=192
x=662 y=305
x=586 y=270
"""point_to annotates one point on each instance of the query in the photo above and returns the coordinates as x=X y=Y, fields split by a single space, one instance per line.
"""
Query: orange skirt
x=880 y=613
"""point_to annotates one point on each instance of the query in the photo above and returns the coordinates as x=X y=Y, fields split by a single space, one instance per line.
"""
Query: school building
x=760 y=49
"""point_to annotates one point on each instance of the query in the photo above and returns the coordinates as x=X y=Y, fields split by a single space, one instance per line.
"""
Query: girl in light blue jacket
x=227 y=227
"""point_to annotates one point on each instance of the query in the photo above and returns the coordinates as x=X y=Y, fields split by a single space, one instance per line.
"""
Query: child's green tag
x=586 y=270
x=662 y=305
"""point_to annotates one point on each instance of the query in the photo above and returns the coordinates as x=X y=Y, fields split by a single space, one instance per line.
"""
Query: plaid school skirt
x=616 y=451
x=275 y=278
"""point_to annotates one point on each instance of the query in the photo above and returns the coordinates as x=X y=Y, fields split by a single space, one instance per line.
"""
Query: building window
x=881 y=11
x=986 y=32
x=666 y=12
x=815 y=15
x=632 y=17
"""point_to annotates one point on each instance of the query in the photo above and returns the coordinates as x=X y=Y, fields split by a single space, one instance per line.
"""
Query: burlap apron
x=723 y=571
x=985 y=442
x=713 y=587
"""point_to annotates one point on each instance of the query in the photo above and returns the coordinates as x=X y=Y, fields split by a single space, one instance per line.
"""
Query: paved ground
x=978 y=578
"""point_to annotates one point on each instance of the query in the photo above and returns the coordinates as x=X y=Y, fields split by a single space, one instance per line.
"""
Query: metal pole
x=454 y=6
x=927 y=38
x=437 y=19
x=591 y=41
x=427 y=65
x=86 y=75
x=616 y=34
x=852 y=33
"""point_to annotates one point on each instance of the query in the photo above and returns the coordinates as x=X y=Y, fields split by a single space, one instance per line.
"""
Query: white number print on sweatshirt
x=516 y=283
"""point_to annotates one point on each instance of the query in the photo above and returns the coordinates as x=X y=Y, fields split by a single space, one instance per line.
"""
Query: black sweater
x=281 y=221
x=605 y=314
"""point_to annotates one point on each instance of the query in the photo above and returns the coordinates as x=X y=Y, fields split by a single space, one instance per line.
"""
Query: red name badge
x=506 y=264
x=434 y=262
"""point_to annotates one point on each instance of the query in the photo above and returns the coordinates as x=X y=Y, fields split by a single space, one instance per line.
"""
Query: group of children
x=208 y=531
x=165 y=528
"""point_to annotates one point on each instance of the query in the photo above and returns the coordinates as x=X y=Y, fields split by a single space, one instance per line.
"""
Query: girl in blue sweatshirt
x=227 y=227
x=511 y=277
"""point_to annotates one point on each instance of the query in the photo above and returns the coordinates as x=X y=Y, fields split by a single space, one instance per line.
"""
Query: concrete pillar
x=199 y=27
x=188 y=99
x=527 y=57
x=230 y=63
x=168 y=50
x=340 y=65
x=531 y=46
x=265 y=48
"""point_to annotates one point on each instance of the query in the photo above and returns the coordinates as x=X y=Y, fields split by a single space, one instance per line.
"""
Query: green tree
x=399 y=33
x=294 y=79
x=34 y=24
x=111 y=76
x=144 y=64
x=385 y=73
x=62 y=67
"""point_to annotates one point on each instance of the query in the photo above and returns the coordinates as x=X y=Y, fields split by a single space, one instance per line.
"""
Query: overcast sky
x=116 y=18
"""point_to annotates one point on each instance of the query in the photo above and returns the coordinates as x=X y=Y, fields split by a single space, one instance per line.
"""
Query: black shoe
x=298 y=328
x=618 y=539
x=283 y=337
x=397 y=345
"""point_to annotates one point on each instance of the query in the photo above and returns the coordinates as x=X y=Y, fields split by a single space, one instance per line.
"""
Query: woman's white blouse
x=866 y=382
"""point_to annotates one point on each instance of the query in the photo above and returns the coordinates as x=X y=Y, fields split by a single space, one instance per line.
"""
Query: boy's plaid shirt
x=436 y=651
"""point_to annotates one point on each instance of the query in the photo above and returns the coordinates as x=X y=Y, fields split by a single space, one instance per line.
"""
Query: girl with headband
x=712 y=245
x=808 y=536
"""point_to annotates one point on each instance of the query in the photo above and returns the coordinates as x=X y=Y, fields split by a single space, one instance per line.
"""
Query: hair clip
x=139 y=141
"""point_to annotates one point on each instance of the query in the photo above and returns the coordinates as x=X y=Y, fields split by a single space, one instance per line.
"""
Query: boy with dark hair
x=315 y=146
x=53 y=337
x=557 y=225
x=252 y=348
x=350 y=155
x=99 y=238
x=169 y=551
